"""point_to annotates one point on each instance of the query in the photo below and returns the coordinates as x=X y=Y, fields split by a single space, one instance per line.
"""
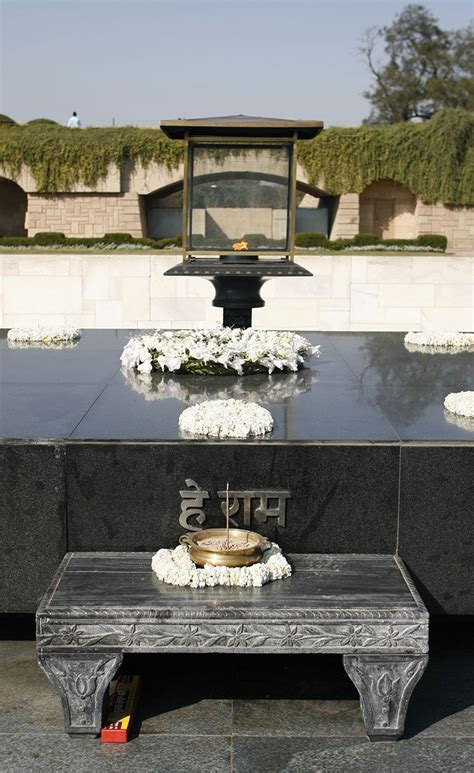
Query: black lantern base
x=238 y=295
x=238 y=281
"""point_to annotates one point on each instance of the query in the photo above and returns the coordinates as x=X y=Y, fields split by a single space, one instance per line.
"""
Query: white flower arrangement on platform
x=460 y=410
x=218 y=351
x=225 y=419
x=461 y=403
x=438 y=342
x=48 y=335
x=176 y=568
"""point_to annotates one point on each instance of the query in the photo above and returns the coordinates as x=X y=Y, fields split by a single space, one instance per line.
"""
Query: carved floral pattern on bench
x=237 y=635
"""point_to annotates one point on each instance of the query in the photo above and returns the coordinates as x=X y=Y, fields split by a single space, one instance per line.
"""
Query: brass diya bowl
x=210 y=547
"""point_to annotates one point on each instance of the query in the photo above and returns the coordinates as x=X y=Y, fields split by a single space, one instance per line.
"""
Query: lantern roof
x=241 y=126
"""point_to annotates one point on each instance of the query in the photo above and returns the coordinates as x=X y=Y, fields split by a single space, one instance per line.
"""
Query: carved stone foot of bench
x=385 y=684
x=82 y=681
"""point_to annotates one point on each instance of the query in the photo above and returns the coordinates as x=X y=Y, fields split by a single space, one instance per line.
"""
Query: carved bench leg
x=385 y=684
x=82 y=681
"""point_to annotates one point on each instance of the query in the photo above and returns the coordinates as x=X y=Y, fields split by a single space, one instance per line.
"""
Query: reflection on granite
x=408 y=387
x=382 y=357
x=43 y=410
x=51 y=345
x=464 y=422
x=367 y=387
x=329 y=411
x=191 y=389
x=438 y=349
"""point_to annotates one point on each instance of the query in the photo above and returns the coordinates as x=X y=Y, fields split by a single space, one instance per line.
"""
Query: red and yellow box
x=123 y=699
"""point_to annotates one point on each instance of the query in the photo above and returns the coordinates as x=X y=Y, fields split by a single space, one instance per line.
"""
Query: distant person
x=74 y=122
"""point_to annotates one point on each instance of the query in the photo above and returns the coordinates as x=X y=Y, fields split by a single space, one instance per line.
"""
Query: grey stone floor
x=245 y=713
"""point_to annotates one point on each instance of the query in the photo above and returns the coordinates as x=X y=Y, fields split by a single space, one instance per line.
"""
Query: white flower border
x=175 y=567
x=43 y=334
x=460 y=403
x=235 y=350
x=225 y=419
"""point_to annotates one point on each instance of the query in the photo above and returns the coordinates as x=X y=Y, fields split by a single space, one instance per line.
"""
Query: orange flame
x=243 y=245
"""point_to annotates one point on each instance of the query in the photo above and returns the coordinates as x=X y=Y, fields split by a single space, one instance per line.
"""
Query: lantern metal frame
x=195 y=140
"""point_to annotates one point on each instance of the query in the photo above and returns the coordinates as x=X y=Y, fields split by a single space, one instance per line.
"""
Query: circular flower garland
x=217 y=351
x=176 y=568
x=226 y=418
x=435 y=342
x=460 y=403
x=43 y=334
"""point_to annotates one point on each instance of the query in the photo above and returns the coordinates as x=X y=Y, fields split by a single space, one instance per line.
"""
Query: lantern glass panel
x=239 y=197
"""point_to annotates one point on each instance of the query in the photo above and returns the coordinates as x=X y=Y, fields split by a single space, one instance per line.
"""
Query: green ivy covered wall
x=434 y=160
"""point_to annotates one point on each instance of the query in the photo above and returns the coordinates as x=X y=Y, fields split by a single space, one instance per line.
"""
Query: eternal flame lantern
x=239 y=205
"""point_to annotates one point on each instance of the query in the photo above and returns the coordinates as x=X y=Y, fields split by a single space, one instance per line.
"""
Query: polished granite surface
x=364 y=387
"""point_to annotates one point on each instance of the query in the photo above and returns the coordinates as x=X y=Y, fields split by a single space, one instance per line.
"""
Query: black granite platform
x=91 y=458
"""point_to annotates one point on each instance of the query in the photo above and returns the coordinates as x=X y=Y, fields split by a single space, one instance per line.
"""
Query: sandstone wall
x=457 y=223
x=81 y=214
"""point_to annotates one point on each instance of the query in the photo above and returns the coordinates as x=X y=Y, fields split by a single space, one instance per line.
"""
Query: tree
x=425 y=69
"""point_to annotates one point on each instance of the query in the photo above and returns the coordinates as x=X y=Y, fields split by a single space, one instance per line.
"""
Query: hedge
x=307 y=240
x=310 y=239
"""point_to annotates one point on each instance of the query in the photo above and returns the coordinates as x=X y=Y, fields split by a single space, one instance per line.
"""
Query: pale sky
x=140 y=61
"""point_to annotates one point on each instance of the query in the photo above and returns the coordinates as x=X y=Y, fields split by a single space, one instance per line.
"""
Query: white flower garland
x=434 y=342
x=44 y=334
x=226 y=418
x=460 y=403
x=176 y=568
x=217 y=351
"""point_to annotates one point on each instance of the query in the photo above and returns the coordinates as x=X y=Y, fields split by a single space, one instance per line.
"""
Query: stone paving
x=243 y=713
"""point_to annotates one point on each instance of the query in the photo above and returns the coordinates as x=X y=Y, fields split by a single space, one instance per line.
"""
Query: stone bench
x=102 y=605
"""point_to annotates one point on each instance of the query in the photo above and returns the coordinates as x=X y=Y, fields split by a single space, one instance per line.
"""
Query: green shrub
x=44 y=121
x=311 y=239
x=172 y=241
x=436 y=241
x=5 y=120
x=83 y=241
x=146 y=242
x=399 y=242
x=49 y=238
x=340 y=244
x=116 y=238
x=15 y=241
x=362 y=240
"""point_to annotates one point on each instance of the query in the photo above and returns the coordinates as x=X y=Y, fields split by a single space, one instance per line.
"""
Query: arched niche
x=387 y=209
x=13 y=205
x=163 y=207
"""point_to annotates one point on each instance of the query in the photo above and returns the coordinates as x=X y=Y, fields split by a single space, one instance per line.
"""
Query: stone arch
x=387 y=209
x=163 y=207
x=13 y=206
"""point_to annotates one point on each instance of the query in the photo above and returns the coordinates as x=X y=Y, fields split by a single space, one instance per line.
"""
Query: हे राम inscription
x=271 y=504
